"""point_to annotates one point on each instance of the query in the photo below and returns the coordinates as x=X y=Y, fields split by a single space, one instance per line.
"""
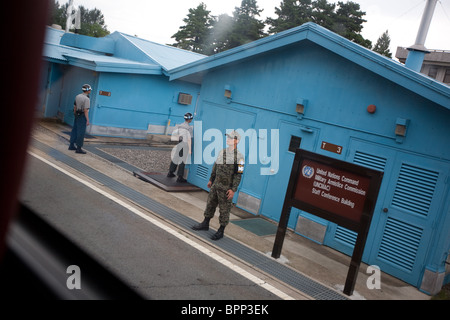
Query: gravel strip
x=149 y=160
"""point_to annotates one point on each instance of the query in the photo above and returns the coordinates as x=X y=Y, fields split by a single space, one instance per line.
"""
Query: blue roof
x=383 y=66
x=99 y=54
x=167 y=56
x=97 y=62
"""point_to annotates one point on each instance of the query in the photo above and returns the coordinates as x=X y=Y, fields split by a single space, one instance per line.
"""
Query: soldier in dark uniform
x=224 y=181
x=81 y=107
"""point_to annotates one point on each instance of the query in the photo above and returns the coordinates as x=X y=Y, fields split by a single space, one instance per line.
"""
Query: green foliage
x=382 y=45
x=246 y=26
x=342 y=18
x=323 y=13
x=208 y=34
x=92 y=21
x=222 y=28
x=195 y=34
x=348 y=23
x=291 y=13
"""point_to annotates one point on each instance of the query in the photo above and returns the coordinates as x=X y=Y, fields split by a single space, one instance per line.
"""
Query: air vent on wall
x=184 y=98
x=415 y=189
x=202 y=172
x=370 y=160
x=400 y=243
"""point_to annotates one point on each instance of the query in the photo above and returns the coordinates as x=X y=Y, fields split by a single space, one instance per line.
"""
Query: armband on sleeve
x=240 y=166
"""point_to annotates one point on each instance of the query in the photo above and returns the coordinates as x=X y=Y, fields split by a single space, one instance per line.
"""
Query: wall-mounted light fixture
x=228 y=92
x=301 y=107
x=371 y=108
x=401 y=126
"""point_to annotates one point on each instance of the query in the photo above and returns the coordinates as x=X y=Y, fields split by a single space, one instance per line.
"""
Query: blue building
x=325 y=94
x=131 y=95
x=303 y=88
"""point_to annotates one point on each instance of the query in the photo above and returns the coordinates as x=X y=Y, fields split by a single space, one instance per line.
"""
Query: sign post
x=338 y=191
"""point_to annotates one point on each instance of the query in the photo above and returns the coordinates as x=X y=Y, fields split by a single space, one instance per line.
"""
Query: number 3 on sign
x=331 y=147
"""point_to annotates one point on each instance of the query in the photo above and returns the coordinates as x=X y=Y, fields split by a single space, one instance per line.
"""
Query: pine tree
x=344 y=19
x=382 y=45
x=220 y=34
x=349 y=22
x=291 y=13
x=246 y=26
x=92 y=21
x=323 y=13
x=196 y=33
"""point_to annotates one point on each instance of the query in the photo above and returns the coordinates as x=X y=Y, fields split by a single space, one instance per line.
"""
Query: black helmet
x=188 y=116
x=86 y=87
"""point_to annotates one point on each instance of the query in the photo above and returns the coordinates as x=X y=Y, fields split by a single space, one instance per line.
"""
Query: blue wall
x=139 y=100
x=135 y=101
x=338 y=93
x=265 y=91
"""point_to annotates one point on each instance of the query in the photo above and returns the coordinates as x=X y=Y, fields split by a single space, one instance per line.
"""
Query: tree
x=92 y=21
x=246 y=26
x=342 y=18
x=292 y=13
x=323 y=13
x=222 y=27
x=207 y=34
x=382 y=45
x=57 y=14
x=348 y=23
x=195 y=35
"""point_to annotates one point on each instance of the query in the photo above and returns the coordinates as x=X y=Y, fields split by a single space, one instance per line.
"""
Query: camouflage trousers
x=217 y=196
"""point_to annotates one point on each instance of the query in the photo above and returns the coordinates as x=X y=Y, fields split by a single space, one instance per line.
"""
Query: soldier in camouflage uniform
x=224 y=181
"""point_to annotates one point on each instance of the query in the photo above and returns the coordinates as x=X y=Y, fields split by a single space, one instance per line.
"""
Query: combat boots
x=219 y=234
x=204 y=225
x=79 y=150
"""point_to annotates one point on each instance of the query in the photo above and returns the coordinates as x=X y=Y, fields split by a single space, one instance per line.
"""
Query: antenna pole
x=425 y=23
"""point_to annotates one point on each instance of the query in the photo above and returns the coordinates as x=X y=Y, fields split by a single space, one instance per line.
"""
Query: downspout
x=417 y=52
x=168 y=121
x=48 y=89
x=196 y=104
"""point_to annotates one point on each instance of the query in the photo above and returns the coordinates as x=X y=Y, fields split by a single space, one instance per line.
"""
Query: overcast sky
x=158 y=20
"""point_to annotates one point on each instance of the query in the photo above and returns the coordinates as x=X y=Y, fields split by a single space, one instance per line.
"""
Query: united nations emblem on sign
x=307 y=171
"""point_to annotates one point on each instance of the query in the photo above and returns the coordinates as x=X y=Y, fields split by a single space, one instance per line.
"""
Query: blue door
x=213 y=119
x=407 y=208
x=410 y=209
x=375 y=157
x=72 y=81
x=292 y=136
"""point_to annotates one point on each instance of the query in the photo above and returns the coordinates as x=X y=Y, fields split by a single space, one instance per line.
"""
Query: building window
x=295 y=143
x=447 y=76
x=433 y=72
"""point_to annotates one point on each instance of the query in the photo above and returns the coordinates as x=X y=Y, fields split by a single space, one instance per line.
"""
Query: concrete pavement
x=323 y=264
